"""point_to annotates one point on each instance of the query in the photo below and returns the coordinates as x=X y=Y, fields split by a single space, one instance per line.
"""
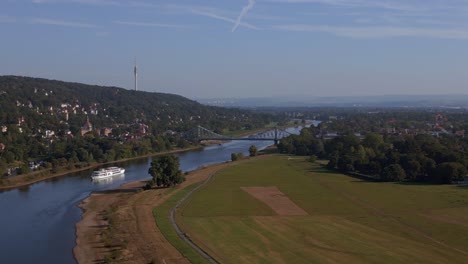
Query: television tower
x=136 y=76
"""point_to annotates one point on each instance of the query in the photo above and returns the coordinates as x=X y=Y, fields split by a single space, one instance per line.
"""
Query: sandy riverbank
x=128 y=210
x=21 y=180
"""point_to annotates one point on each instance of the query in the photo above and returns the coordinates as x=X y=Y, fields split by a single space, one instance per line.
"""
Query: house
x=105 y=131
x=169 y=133
x=49 y=133
x=142 y=129
x=86 y=128
x=460 y=133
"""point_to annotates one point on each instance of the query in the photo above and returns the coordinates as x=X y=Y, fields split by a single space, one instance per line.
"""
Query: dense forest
x=48 y=123
x=389 y=145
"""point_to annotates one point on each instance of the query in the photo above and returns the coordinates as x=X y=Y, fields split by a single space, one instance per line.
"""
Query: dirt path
x=135 y=236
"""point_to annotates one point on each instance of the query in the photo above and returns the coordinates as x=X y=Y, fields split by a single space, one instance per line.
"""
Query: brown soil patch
x=277 y=200
x=135 y=234
x=446 y=219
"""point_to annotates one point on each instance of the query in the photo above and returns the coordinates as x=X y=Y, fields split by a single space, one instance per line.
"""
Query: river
x=37 y=223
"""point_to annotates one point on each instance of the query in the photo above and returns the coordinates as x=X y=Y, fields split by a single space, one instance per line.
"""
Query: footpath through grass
x=348 y=221
x=163 y=221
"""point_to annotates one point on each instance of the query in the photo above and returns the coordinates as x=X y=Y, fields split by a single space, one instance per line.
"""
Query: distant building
x=143 y=129
x=20 y=121
x=49 y=133
x=86 y=128
x=460 y=133
x=2 y=147
x=105 y=131
x=439 y=119
x=169 y=133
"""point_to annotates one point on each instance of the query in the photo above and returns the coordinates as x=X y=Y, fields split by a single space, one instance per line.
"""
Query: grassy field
x=348 y=221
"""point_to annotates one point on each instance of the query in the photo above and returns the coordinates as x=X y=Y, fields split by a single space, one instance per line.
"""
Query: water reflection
x=109 y=180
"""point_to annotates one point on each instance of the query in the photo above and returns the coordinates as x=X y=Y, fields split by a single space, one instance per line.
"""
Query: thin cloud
x=243 y=13
x=53 y=22
x=206 y=11
x=387 y=4
x=378 y=32
x=222 y=18
x=146 y=24
x=86 y=2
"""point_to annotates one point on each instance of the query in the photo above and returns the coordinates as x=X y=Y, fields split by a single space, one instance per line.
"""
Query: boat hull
x=107 y=173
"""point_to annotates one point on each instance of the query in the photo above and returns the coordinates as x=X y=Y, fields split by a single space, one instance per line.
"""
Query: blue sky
x=242 y=48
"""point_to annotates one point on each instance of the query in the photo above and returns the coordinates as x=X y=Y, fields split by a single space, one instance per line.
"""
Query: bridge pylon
x=276 y=136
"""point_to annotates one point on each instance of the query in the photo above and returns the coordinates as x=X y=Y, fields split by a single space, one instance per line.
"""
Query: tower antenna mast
x=136 y=75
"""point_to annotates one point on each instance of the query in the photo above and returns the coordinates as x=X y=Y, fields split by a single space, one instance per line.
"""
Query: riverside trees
x=392 y=156
x=165 y=171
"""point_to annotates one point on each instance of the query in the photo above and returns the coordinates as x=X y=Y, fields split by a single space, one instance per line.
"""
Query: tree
x=253 y=151
x=312 y=158
x=449 y=171
x=165 y=171
x=393 y=172
x=236 y=156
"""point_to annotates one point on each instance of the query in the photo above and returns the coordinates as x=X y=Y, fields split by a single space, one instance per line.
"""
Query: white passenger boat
x=107 y=173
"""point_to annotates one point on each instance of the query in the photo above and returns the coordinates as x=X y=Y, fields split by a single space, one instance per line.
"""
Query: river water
x=37 y=222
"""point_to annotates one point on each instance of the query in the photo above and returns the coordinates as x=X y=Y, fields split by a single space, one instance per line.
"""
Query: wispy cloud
x=243 y=13
x=87 y=2
x=212 y=14
x=396 y=5
x=46 y=21
x=146 y=24
x=378 y=32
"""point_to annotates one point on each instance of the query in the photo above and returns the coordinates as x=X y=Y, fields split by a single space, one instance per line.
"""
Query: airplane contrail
x=243 y=13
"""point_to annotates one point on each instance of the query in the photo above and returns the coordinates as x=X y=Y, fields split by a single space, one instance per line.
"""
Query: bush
x=393 y=173
x=449 y=172
x=253 y=151
x=236 y=156
x=312 y=158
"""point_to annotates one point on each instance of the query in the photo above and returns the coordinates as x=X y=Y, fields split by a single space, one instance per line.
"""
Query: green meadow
x=348 y=221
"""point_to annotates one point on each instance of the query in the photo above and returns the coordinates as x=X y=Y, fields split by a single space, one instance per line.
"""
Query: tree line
x=387 y=157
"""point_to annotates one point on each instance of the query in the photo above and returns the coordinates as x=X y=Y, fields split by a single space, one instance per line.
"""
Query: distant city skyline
x=242 y=48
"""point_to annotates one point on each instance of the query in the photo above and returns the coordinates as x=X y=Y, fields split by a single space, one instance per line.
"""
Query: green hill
x=34 y=97
x=65 y=123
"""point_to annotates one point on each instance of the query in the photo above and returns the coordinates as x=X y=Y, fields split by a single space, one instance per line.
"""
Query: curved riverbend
x=40 y=218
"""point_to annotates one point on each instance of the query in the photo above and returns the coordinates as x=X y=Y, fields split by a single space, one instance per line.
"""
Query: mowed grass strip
x=162 y=216
x=349 y=221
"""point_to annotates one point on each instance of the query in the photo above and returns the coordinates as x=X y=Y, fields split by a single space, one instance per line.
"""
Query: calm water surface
x=37 y=223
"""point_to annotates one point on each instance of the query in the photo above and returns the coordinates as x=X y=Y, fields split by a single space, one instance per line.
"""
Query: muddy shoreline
x=135 y=236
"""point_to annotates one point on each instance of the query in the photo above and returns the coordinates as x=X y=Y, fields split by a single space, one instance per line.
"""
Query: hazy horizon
x=242 y=49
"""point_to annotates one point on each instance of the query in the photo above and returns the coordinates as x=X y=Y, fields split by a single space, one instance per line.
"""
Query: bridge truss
x=200 y=133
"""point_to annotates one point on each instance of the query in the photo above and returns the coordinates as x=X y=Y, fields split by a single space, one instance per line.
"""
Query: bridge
x=200 y=133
